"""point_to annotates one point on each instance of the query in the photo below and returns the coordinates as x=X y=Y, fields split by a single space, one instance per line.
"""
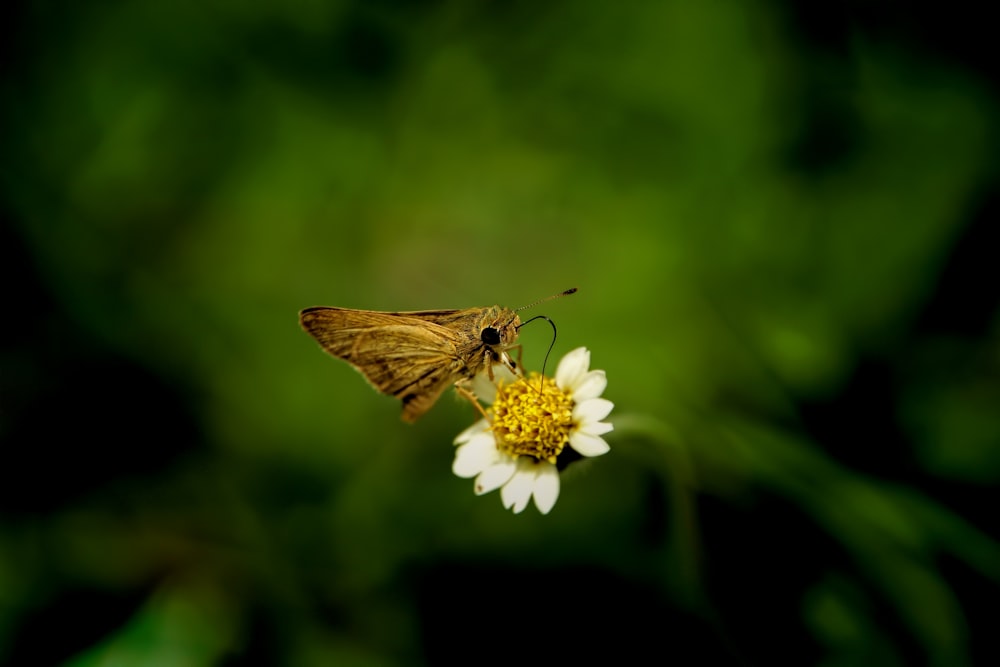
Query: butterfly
x=414 y=356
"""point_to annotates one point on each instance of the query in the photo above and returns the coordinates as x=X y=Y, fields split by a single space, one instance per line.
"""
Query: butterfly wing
x=452 y=319
x=400 y=354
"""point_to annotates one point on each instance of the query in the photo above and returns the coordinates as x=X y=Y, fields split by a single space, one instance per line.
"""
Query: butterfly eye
x=490 y=336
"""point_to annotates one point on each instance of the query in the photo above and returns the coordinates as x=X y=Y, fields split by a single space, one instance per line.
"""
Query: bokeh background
x=783 y=223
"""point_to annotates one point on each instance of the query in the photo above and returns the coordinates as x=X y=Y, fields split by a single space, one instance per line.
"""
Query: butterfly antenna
x=571 y=290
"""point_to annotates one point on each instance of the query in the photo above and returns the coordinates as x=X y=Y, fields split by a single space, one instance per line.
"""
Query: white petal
x=475 y=456
x=546 y=488
x=589 y=386
x=516 y=493
x=588 y=445
x=484 y=390
x=501 y=372
x=572 y=368
x=597 y=428
x=592 y=410
x=495 y=476
x=466 y=435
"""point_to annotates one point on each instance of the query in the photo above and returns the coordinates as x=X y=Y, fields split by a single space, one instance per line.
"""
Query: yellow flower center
x=532 y=417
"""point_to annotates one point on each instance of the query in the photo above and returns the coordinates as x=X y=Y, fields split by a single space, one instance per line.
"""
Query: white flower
x=529 y=424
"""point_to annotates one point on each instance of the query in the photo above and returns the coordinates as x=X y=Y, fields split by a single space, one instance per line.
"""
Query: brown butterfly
x=416 y=355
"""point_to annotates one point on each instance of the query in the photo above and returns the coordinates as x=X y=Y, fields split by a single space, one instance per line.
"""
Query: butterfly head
x=498 y=330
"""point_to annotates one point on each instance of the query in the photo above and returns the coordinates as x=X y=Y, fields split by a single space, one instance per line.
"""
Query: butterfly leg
x=516 y=367
x=463 y=390
x=490 y=358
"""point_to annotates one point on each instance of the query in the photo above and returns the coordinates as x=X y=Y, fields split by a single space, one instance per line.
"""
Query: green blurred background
x=782 y=221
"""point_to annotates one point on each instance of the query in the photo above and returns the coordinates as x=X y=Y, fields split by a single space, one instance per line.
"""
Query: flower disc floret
x=532 y=417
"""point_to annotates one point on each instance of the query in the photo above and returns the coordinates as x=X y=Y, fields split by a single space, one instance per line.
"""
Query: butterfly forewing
x=401 y=354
